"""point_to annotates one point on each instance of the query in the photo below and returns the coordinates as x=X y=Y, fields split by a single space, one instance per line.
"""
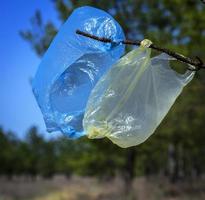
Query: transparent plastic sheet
x=132 y=98
x=71 y=67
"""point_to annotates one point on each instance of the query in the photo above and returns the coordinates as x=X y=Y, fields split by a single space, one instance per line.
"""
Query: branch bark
x=197 y=63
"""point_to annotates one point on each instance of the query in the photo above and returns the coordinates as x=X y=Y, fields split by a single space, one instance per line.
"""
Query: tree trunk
x=173 y=165
x=129 y=173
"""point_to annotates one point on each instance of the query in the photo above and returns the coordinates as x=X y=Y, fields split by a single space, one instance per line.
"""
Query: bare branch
x=197 y=63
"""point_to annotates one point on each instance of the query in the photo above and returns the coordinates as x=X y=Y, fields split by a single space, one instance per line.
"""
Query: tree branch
x=197 y=63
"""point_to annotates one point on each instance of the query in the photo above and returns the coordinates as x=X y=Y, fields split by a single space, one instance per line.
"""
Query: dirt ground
x=78 y=188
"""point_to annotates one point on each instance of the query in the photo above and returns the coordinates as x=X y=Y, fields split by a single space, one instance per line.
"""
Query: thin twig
x=197 y=63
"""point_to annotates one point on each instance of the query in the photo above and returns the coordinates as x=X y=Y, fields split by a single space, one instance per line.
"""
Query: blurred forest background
x=173 y=159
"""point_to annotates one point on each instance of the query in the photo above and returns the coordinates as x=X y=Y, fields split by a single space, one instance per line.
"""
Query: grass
x=78 y=188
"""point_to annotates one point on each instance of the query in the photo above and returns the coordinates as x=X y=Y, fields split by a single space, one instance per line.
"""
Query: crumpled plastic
x=71 y=67
x=132 y=98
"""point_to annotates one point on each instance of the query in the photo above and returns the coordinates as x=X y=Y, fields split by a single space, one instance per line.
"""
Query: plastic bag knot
x=146 y=43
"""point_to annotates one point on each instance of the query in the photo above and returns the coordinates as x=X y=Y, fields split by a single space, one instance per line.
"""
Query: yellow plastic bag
x=132 y=98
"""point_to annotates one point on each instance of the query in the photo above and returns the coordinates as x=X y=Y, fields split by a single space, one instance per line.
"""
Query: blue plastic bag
x=71 y=67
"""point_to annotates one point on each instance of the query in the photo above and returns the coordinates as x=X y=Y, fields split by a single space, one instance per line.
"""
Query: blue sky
x=18 y=108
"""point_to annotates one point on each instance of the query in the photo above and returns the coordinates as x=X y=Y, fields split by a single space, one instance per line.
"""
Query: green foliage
x=38 y=156
x=41 y=34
